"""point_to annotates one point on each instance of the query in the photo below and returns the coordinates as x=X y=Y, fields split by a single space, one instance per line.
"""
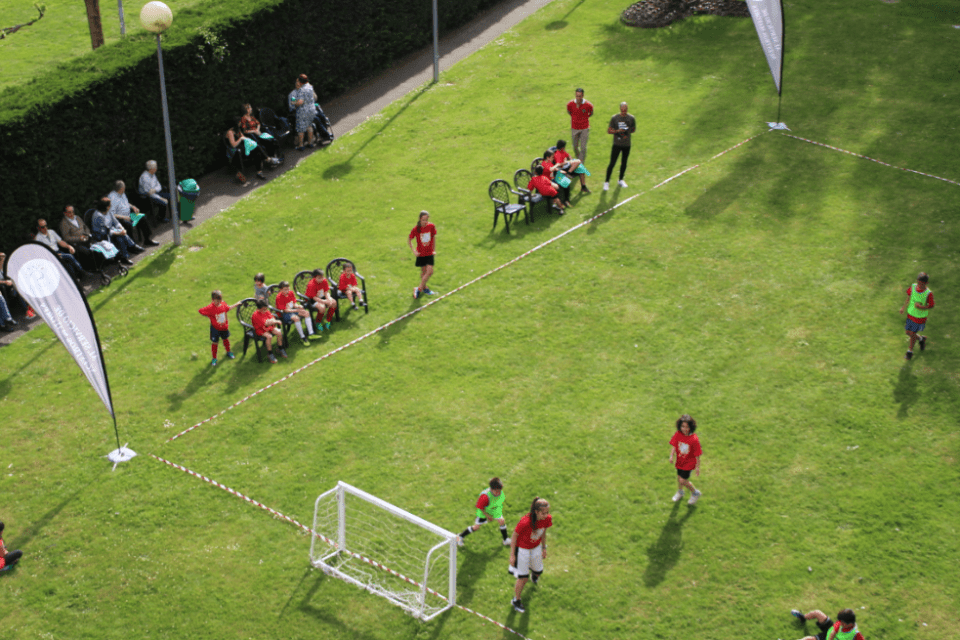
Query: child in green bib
x=489 y=507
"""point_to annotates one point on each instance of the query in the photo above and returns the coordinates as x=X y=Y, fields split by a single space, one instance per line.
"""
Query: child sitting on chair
x=267 y=327
x=348 y=286
x=293 y=311
x=318 y=290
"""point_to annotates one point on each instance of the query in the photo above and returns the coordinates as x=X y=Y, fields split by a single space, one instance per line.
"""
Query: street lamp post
x=156 y=17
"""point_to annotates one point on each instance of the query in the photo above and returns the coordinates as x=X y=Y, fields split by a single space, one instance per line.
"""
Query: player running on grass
x=489 y=507
x=685 y=454
x=845 y=628
x=528 y=548
x=918 y=304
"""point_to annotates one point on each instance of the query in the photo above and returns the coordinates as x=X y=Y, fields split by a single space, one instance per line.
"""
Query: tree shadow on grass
x=557 y=25
x=342 y=630
x=907 y=391
x=665 y=552
x=31 y=531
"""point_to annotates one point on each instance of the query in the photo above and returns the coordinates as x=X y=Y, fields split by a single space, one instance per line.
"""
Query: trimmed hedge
x=66 y=141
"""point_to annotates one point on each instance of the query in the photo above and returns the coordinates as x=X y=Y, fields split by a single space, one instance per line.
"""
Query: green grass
x=758 y=293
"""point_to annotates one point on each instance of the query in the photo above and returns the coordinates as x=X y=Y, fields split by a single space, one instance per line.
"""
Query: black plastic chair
x=245 y=316
x=500 y=194
x=333 y=271
x=521 y=178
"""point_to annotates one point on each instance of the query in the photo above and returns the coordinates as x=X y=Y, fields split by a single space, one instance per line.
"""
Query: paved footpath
x=219 y=190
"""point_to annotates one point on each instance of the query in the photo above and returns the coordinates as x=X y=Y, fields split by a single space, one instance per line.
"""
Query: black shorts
x=216 y=334
x=684 y=473
x=423 y=261
x=824 y=629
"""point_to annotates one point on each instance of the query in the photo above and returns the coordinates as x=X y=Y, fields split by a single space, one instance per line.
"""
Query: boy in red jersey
x=685 y=454
x=348 y=286
x=426 y=236
x=528 y=548
x=845 y=628
x=318 y=290
x=293 y=312
x=217 y=312
x=918 y=305
x=545 y=187
x=267 y=326
x=7 y=559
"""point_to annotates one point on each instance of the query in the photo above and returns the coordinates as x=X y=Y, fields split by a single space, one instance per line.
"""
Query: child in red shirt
x=293 y=312
x=217 y=312
x=7 y=559
x=426 y=236
x=685 y=452
x=571 y=166
x=542 y=184
x=318 y=290
x=348 y=286
x=528 y=548
x=266 y=325
x=844 y=627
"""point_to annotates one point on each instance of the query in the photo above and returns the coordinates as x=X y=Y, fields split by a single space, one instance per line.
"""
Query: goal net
x=389 y=552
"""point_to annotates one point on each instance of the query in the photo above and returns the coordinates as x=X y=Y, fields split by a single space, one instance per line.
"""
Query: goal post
x=386 y=550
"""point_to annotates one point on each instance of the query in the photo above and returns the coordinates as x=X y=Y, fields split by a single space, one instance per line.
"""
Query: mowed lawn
x=758 y=292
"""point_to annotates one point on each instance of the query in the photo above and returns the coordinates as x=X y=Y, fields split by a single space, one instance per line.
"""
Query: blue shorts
x=914 y=327
x=216 y=334
x=290 y=317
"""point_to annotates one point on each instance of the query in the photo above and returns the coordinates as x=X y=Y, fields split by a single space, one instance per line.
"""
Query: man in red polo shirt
x=580 y=111
x=545 y=188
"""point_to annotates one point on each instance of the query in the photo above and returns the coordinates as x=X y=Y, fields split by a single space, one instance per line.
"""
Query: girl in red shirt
x=528 y=548
x=685 y=454
x=426 y=236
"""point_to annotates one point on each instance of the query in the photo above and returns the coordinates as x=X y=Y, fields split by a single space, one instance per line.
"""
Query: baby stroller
x=106 y=255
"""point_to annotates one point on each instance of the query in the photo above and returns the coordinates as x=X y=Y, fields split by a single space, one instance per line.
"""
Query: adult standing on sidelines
x=621 y=126
x=489 y=507
x=685 y=455
x=845 y=628
x=426 y=235
x=580 y=111
x=918 y=304
x=528 y=548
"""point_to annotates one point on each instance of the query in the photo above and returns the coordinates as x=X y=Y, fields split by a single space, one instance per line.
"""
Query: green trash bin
x=188 y=192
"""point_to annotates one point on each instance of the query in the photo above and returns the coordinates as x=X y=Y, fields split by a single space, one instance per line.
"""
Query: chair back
x=335 y=268
x=521 y=179
x=272 y=292
x=500 y=193
x=533 y=165
x=245 y=312
x=299 y=286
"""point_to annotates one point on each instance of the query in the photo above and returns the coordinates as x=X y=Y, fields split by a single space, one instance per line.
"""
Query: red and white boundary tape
x=374 y=563
x=457 y=290
x=892 y=166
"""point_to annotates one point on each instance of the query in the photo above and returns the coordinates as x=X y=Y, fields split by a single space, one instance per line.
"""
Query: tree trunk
x=96 y=26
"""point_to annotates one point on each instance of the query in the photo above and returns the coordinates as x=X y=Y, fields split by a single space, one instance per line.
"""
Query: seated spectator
x=348 y=286
x=149 y=187
x=267 y=327
x=542 y=185
x=107 y=227
x=63 y=250
x=573 y=166
x=318 y=290
x=7 y=323
x=237 y=150
x=8 y=291
x=77 y=234
x=553 y=170
x=121 y=209
x=251 y=129
x=293 y=312
x=7 y=558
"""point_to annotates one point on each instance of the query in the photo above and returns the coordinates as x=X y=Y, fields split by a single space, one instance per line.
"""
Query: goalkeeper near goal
x=489 y=507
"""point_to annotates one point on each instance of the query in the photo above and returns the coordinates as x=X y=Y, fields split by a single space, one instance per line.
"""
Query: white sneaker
x=678 y=496
x=606 y=186
x=693 y=499
x=506 y=542
x=459 y=541
x=622 y=184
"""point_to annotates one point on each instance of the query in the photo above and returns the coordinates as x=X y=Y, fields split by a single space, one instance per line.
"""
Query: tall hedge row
x=68 y=147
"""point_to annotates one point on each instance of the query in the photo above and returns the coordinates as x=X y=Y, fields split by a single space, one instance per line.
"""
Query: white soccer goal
x=387 y=551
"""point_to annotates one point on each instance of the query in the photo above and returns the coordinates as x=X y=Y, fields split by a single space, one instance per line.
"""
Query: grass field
x=758 y=292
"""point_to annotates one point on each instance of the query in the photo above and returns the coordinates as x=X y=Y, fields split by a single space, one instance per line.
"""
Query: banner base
x=778 y=125
x=123 y=454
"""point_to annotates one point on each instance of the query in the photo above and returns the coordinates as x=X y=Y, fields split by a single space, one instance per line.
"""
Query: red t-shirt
x=688 y=450
x=929 y=302
x=426 y=239
x=836 y=628
x=347 y=281
x=217 y=312
x=284 y=298
x=314 y=288
x=259 y=320
x=483 y=501
x=579 y=114
x=543 y=185
x=547 y=166
x=528 y=538
x=561 y=156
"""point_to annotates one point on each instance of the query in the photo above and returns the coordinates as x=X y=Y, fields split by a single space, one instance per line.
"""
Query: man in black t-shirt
x=621 y=126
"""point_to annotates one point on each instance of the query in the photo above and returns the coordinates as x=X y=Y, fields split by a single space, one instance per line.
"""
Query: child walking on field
x=685 y=454
x=217 y=312
x=489 y=507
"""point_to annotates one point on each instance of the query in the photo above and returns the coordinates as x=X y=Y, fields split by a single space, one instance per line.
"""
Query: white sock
x=299 y=327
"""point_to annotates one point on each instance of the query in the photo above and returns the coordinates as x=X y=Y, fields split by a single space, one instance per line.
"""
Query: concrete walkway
x=219 y=190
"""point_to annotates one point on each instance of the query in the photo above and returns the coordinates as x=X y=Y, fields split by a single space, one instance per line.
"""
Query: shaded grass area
x=757 y=292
